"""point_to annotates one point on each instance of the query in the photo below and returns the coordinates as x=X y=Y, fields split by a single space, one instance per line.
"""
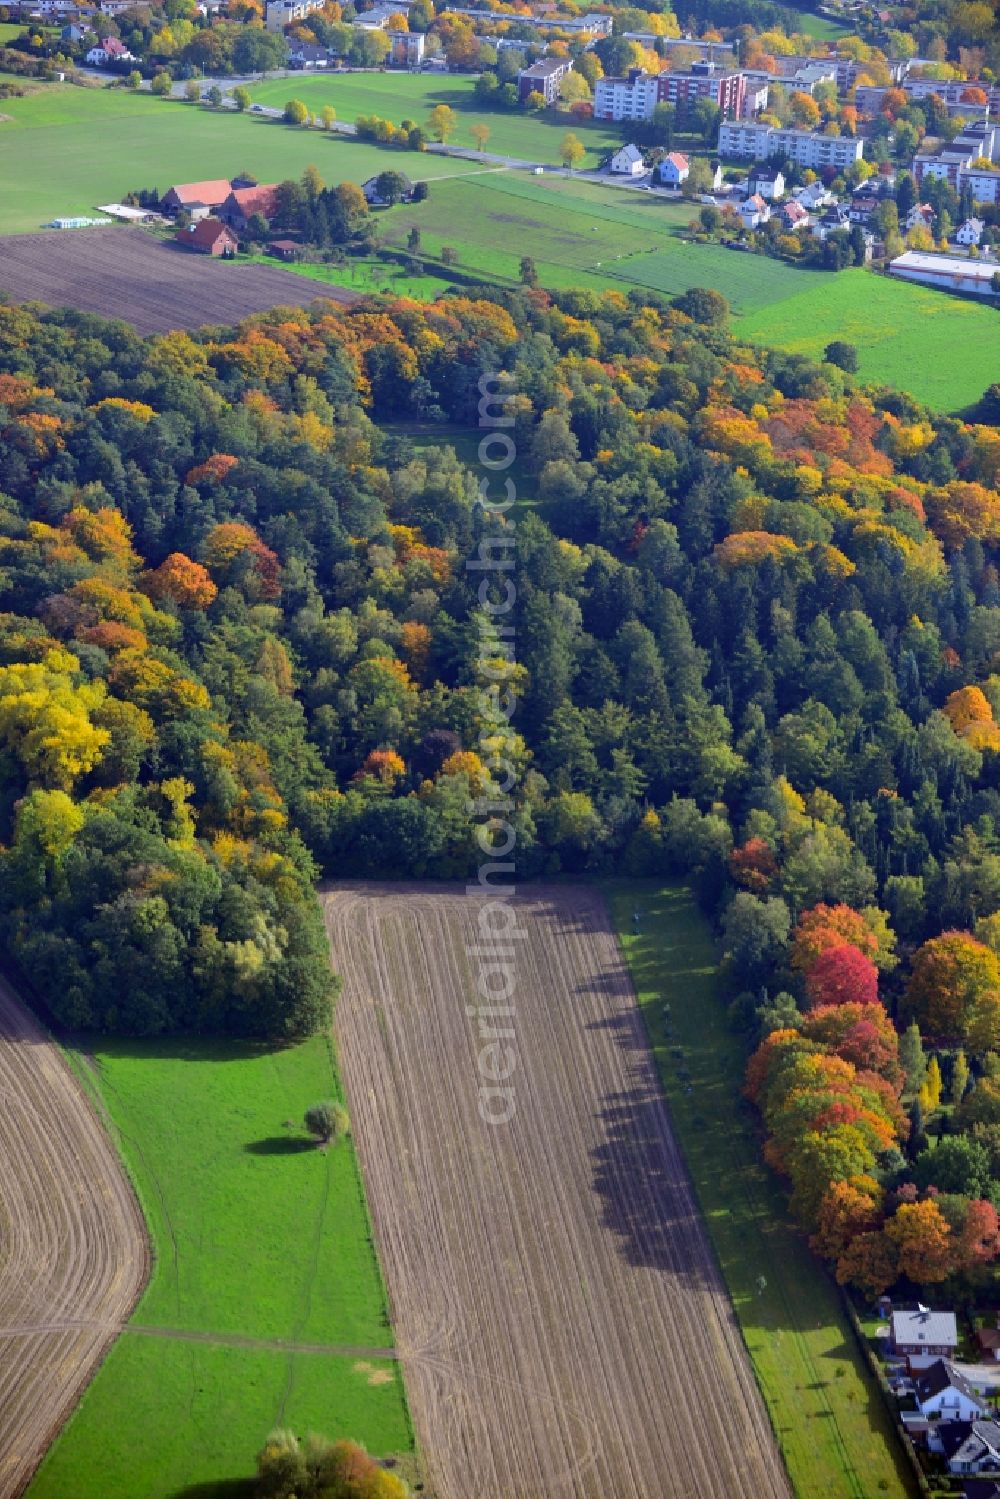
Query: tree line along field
x=581 y=233
x=397 y=96
x=559 y=1313
x=834 y=1430
x=265 y=1306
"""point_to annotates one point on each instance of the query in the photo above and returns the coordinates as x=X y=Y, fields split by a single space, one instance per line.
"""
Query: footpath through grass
x=827 y=1412
x=260 y=1239
x=411 y=96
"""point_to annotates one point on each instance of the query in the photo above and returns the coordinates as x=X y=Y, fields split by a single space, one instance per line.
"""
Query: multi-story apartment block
x=637 y=95
x=954 y=162
x=759 y=142
x=594 y=23
x=631 y=98
x=543 y=77
x=727 y=90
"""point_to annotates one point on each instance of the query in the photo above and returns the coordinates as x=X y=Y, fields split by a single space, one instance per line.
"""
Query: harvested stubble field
x=73 y=1254
x=557 y=1307
x=154 y=285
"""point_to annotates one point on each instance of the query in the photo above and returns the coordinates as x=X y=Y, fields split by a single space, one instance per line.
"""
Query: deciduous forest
x=756 y=642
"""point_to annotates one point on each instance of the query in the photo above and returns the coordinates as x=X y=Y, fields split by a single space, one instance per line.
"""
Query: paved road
x=983 y=1376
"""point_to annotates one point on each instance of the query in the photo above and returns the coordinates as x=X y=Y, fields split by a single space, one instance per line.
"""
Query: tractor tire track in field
x=559 y=1314
x=73 y=1249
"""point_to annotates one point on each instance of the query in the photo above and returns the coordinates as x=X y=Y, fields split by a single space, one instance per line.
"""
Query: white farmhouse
x=628 y=162
x=754 y=211
x=969 y=233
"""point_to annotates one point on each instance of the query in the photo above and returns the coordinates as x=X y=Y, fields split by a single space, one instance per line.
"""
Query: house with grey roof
x=922 y=1336
x=971 y=1446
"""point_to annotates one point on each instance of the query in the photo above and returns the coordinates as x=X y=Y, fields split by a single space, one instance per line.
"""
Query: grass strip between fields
x=260 y=1241
x=827 y=1412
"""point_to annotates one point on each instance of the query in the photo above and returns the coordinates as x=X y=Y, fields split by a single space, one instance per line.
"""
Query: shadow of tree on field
x=222 y=1488
x=279 y=1145
x=647 y=1198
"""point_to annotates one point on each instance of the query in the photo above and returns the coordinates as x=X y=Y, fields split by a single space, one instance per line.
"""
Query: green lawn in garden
x=827 y=1412
x=401 y=96
x=63 y=150
x=941 y=348
x=257 y=1235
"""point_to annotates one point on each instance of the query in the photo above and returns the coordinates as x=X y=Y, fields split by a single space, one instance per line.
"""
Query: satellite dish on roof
x=923 y=1310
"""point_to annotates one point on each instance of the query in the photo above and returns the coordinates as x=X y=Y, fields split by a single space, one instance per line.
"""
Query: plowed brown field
x=561 y=1320
x=73 y=1254
x=152 y=284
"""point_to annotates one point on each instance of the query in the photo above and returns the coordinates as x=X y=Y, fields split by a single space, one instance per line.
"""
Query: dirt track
x=561 y=1321
x=73 y=1252
x=155 y=286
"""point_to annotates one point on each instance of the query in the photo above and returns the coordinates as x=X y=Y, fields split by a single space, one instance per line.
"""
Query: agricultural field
x=265 y=1305
x=61 y=151
x=153 y=284
x=559 y=1313
x=829 y=1416
x=402 y=96
x=942 y=349
x=581 y=234
x=73 y=1249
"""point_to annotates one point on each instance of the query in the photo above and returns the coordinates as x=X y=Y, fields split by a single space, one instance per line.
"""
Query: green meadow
x=943 y=349
x=402 y=96
x=581 y=234
x=260 y=1241
x=822 y=28
x=63 y=150
x=827 y=1412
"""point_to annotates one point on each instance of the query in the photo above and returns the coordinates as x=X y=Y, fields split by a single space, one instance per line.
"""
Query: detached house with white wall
x=628 y=162
x=943 y=1394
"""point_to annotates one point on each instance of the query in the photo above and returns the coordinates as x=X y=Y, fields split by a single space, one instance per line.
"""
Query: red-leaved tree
x=842 y=975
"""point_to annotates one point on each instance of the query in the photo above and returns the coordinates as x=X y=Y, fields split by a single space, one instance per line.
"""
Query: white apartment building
x=631 y=98
x=759 y=142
